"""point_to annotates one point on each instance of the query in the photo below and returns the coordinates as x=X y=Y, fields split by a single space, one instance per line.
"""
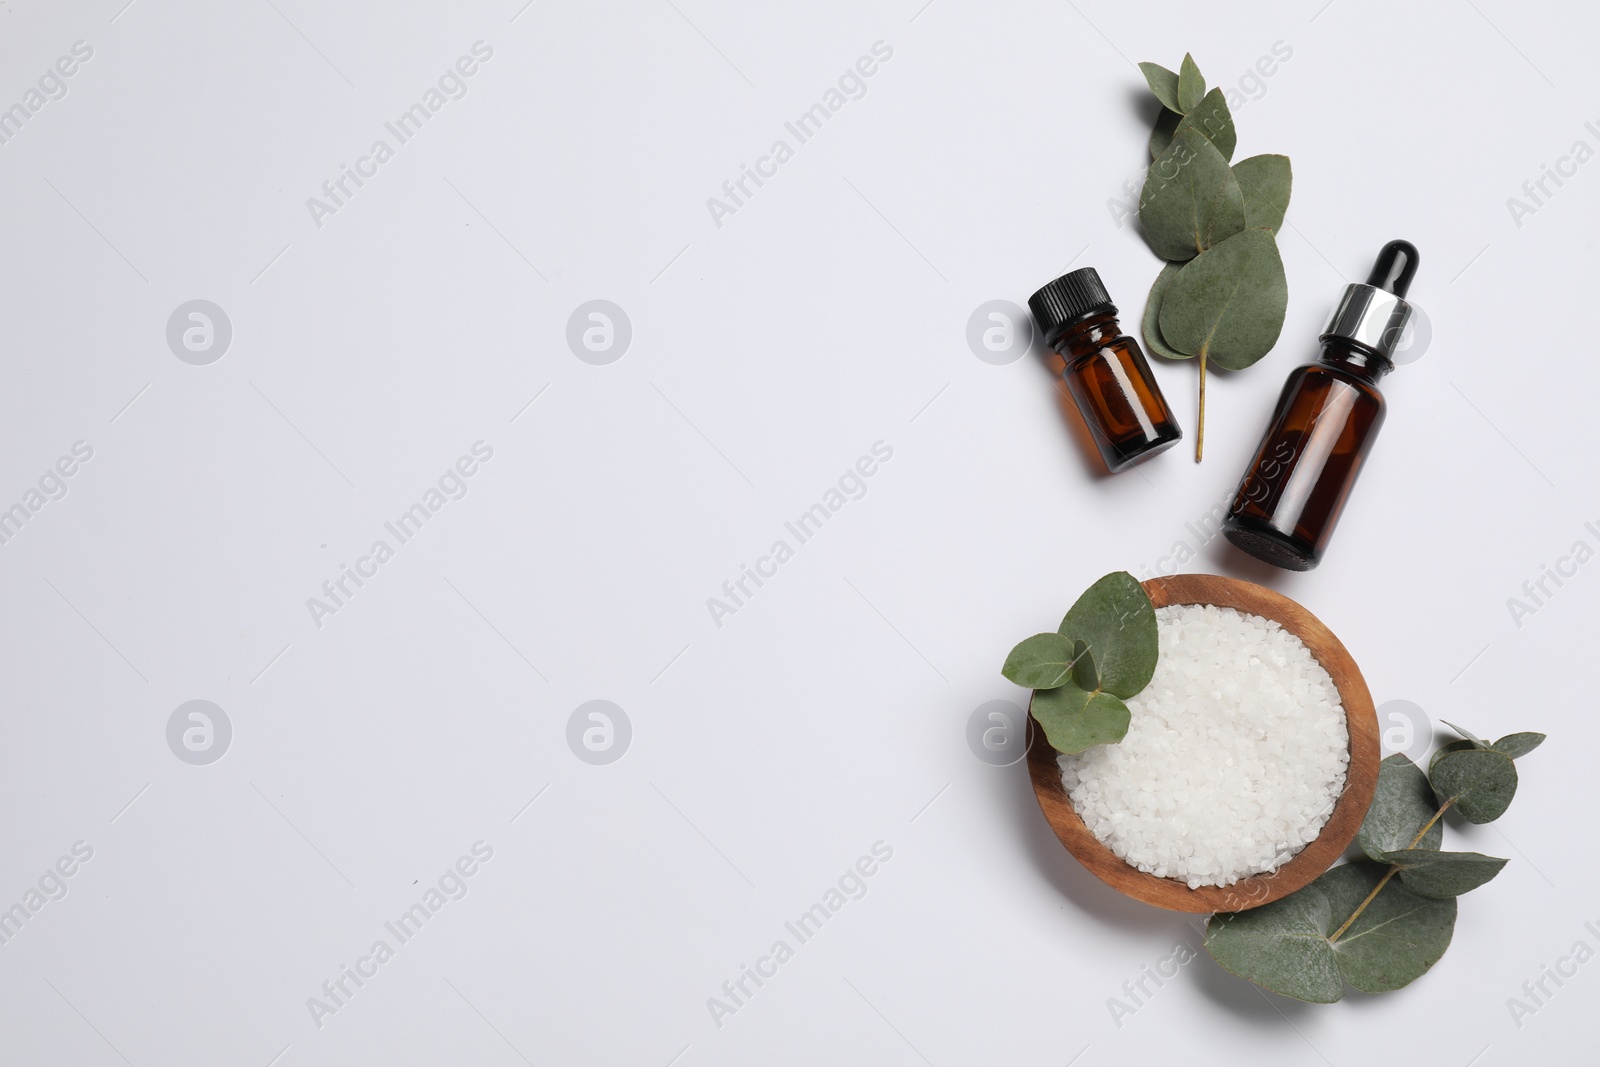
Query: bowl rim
x=1361 y=774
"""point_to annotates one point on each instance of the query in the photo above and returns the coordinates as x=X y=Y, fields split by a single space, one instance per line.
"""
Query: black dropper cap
x=1374 y=315
x=1395 y=267
x=1067 y=300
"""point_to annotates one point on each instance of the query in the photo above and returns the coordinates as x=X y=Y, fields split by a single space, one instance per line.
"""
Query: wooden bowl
x=1361 y=776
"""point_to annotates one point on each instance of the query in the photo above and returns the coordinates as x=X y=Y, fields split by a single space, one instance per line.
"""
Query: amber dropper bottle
x=1326 y=422
x=1105 y=372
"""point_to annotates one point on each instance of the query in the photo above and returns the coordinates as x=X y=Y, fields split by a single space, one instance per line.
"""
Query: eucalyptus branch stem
x=1363 y=905
x=1390 y=873
x=1200 y=430
x=1429 y=824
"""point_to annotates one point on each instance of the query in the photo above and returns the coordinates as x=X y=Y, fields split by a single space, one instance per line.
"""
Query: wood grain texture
x=1361 y=777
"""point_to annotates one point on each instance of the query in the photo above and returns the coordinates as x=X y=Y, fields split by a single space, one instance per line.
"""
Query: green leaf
x=1227 y=304
x=1396 y=939
x=1468 y=734
x=1211 y=117
x=1190 y=200
x=1152 y=312
x=1282 y=946
x=1518 y=745
x=1115 y=619
x=1265 y=183
x=1443 y=874
x=1402 y=804
x=1074 y=719
x=1191 y=86
x=1478 y=782
x=1166 y=126
x=1449 y=747
x=1042 y=661
x=1514 y=745
x=1084 y=674
x=1163 y=82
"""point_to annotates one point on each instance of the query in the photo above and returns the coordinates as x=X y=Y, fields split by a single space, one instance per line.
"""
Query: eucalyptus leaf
x=1191 y=86
x=1211 y=117
x=1479 y=783
x=1518 y=745
x=1152 y=312
x=1282 y=946
x=1286 y=946
x=1042 y=661
x=1164 y=83
x=1265 y=182
x=1084 y=673
x=1227 y=304
x=1190 y=200
x=1074 y=719
x=1395 y=939
x=1468 y=734
x=1115 y=619
x=1443 y=874
x=1401 y=805
x=1449 y=747
x=1445 y=749
x=1161 y=135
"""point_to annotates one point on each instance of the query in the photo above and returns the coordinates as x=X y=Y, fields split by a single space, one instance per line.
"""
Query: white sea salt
x=1235 y=754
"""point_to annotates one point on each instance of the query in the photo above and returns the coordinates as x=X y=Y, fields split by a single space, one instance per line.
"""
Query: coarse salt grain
x=1235 y=753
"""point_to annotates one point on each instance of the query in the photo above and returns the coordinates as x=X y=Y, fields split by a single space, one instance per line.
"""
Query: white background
x=768 y=354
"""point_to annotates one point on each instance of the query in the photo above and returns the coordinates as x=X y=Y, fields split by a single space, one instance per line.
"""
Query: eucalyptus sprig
x=1221 y=297
x=1103 y=653
x=1378 y=924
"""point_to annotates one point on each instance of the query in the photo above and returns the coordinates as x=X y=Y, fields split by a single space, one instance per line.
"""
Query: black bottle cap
x=1395 y=267
x=1068 y=299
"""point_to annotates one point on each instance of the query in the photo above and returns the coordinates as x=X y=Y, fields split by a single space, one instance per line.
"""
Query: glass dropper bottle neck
x=1355 y=360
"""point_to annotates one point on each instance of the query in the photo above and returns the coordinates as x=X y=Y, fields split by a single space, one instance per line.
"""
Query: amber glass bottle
x=1325 y=424
x=1106 y=372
